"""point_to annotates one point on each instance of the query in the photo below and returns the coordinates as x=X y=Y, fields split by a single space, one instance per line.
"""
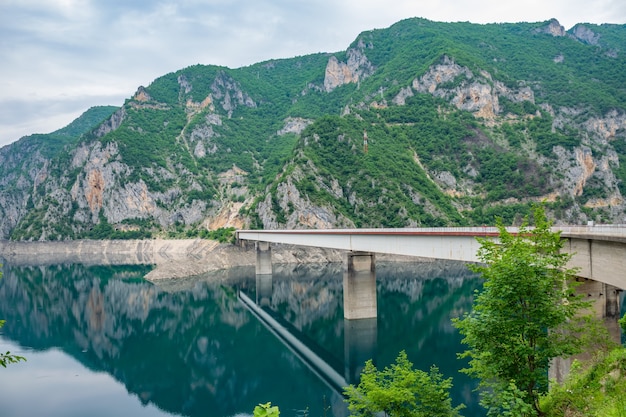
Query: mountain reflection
x=190 y=347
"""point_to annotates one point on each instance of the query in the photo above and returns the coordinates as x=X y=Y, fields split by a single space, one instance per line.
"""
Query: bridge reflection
x=360 y=338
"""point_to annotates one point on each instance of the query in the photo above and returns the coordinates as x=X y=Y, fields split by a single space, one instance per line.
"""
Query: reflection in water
x=190 y=347
x=360 y=337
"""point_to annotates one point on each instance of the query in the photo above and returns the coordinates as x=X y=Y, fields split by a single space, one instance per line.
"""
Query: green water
x=101 y=341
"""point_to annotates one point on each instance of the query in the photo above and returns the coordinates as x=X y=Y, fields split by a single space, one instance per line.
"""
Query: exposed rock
x=235 y=174
x=585 y=35
x=400 y=98
x=300 y=213
x=446 y=71
x=142 y=95
x=586 y=162
x=477 y=94
x=478 y=99
x=201 y=135
x=608 y=127
x=228 y=216
x=112 y=123
x=184 y=84
x=230 y=93
x=213 y=119
x=294 y=125
x=354 y=70
x=553 y=28
x=94 y=190
x=446 y=179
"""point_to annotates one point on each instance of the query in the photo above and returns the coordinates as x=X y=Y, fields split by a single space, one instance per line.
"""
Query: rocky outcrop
x=356 y=68
x=229 y=94
x=444 y=72
x=112 y=123
x=294 y=125
x=585 y=35
x=474 y=93
x=297 y=210
x=553 y=28
x=607 y=128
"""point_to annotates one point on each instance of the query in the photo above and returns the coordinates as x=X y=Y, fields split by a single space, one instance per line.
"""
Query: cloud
x=69 y=55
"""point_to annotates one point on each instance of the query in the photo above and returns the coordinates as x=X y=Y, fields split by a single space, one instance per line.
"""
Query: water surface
x=101 y=341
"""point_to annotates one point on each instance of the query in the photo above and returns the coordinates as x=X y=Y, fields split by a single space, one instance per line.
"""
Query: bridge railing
x=604 y=229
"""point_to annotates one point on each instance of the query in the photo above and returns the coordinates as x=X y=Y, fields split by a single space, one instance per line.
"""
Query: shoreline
x=173 y=258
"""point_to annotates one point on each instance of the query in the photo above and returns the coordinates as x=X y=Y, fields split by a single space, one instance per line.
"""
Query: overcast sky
x=60 y=57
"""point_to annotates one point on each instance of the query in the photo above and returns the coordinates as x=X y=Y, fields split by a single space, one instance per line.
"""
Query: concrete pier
x=606 y=307
x=605 y=298
x=359 y=286
x=263 y=258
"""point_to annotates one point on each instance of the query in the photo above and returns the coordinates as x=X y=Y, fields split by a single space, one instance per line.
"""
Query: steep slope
x=26 y=164
x=463 y=122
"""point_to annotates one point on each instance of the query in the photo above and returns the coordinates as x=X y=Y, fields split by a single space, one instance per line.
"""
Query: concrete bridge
x=598 y=251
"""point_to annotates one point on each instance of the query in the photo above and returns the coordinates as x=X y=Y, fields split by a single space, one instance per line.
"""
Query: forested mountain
x=419 y=124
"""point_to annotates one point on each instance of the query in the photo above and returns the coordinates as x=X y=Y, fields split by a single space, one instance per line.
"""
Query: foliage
x=86 y=122
x=7 y=358
x=387 y=181
x=266 y=410
x=526 y=315
x=622 y=323
x=104 y=230
x=222 y=234
x=594 y=390
x=52 y=144
x=399 y=390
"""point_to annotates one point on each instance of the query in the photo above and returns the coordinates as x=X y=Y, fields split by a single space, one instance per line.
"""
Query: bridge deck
x=599 y=251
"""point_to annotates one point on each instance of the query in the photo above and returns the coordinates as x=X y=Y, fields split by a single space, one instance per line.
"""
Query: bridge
x=599 y=252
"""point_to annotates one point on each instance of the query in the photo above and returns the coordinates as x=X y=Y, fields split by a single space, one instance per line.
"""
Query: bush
x=399 y=390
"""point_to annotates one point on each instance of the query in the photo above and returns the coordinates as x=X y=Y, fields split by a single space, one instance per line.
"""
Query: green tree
x=266 y=410
x=401 y=391
x=526 y=315
x=7 y=358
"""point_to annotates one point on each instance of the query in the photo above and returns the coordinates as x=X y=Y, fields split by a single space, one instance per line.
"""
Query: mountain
x=420 y=124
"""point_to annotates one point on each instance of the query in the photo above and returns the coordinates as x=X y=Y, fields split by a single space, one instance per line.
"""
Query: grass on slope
x=599 y=390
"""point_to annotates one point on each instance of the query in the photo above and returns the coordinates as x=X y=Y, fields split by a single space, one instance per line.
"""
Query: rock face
x=474 y=93
x=354 y=70
x=586 y=35
x=553 y=28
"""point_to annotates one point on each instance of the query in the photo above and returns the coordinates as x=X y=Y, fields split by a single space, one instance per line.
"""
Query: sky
x=60 y=57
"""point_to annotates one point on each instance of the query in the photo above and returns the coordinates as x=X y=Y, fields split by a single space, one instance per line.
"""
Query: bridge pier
x=359 y=286
x=263 y=258
x=605 y=299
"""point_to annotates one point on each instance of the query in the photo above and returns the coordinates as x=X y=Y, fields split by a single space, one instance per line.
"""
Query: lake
x=101 y=341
